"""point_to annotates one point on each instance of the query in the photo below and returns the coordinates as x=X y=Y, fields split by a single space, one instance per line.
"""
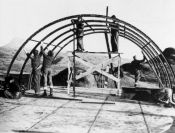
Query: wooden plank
x=99 y=67
x=89 y=71
x=84 y=62
x=96 y=68
x=108 y=75
x=98 y=52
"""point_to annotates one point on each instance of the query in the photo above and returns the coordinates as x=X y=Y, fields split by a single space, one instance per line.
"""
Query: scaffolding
x=58 y=34
x=100 y=68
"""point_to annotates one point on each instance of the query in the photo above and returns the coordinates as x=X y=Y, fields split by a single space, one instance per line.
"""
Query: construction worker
x=79 y=33
x=165 y=95
x=136 y=68
x=114 y=29
x=11 y=88
x=36 y=70
x=47 y=70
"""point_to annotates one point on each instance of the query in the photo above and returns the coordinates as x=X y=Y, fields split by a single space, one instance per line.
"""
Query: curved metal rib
x=98 y=24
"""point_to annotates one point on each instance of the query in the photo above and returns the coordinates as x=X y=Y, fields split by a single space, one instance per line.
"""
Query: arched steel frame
x=101 y=24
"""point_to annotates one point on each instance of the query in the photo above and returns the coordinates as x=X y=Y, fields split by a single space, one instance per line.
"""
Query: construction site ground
x=92 y=110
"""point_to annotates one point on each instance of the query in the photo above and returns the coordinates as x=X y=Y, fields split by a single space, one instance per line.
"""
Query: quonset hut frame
x=59 y=33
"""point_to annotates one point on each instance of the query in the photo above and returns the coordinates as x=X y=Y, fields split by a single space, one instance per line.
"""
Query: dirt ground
x=94 y=110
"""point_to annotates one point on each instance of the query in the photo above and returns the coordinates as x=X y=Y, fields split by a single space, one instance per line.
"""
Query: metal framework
x=58 y=34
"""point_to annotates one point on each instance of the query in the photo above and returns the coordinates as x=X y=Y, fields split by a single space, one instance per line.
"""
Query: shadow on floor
x=172 y=128
x=49 y=97
x=25 y=131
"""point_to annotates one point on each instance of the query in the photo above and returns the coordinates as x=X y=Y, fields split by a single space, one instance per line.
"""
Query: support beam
x=74 y=80
x=109 y=54
x=99 y=52
x=100 y=68
x=88 y=24
x=43 y=42
x=69 y=77
x=95 y=68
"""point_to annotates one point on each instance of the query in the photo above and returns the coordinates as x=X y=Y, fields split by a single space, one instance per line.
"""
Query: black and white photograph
x=87 y=66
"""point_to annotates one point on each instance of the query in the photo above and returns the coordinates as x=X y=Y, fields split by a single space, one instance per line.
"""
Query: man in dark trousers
x=79 y=33
x=47 y=70
x=11 y=88
x=36 y=70
x=136 y=66
x=114 y=35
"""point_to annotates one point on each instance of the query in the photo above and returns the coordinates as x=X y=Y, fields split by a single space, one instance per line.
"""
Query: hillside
x=60 y=67
x=6 y=55
x=15 y=43
x=60 y=63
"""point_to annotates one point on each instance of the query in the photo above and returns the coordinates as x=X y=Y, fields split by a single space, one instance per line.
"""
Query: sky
x=21 y=18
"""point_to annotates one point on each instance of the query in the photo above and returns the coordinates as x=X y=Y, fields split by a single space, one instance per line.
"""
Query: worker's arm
x=144 y=58
x=42 y=51
x=29 y=56
x=75 y=21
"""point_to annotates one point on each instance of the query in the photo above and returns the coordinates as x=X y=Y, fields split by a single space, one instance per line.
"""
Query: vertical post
x=107 y=44
x=69 y=77
x=74 y=64
x=106 y=35
x=119 y=87
x=102 y=78
x=30 y=81
x=106 y=14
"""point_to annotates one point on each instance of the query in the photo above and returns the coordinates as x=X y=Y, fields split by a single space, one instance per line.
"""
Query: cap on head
x=134 y=57
x=35 y=52
x=50 y=53
x=79 y=17
x=113 y=16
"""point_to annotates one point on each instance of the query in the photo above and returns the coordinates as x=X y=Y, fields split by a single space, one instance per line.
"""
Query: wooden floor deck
x=91 y=111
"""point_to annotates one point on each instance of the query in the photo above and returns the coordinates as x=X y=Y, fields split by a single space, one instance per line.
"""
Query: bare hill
x=60 y=67
x=15 y=43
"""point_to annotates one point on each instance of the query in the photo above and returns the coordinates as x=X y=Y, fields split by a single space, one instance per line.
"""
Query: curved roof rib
x=59 y=34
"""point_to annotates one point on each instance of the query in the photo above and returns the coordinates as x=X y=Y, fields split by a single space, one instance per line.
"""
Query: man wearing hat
x=114 y=29
x=136 y=66
x=79 y=33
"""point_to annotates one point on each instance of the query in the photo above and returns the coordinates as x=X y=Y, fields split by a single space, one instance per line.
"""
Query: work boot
x=51 y=92
x=169 y=105
x=77 y=50
x=82 y=50
x=136 y=84
x=44 y=94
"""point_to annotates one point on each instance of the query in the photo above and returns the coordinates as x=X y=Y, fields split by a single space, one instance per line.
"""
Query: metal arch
x=153 y=51
x=158 y=57
x=86 y=34
x=132 y=40
x=147 y=53
x=158 y=60
x=23 y=66
x=55 y=39
x=154 y=66
x=70 y=36
x=160 y=52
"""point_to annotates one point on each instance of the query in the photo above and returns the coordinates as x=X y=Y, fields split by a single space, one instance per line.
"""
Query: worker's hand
x=27 y=54
x=143 y=54
x=72 y=20
x=41 y=48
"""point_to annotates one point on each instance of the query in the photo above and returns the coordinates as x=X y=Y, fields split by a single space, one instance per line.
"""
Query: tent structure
x=59 y=33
